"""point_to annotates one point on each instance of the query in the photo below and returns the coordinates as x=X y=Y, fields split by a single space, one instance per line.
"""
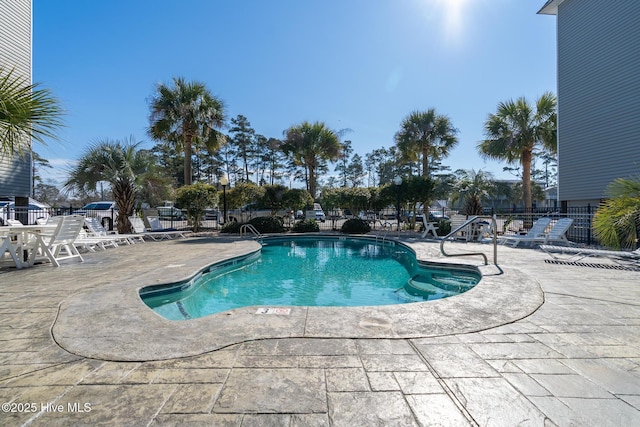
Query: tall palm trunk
x=124 y=194
x=188 y=151
x=425 y=160
x=312 y=180
x=527 y=156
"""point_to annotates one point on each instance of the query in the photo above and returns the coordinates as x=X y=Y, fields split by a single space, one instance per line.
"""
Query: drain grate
x=593 y=265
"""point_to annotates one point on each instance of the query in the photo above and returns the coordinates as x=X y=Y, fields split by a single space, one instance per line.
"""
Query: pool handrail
x=249 y=227
x=469 y=221
x=384 y=235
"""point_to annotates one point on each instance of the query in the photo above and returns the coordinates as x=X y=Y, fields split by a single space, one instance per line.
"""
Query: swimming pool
x=310 y=271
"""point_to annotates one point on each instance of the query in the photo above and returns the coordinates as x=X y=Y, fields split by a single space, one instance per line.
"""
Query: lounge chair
x=538 y=230
x=96 y=229
x=576 y=254
x=91 y=243
x=59 y=245
x=557 y=234
x=139 y=228
x=464 y=233
x=82 y=240
x=156 y=225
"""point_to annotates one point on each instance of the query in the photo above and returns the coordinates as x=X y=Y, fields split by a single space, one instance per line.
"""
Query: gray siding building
x=598 y=96
x=15 y=53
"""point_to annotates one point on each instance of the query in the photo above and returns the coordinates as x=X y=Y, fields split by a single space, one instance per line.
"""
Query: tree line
x=187 y=122
x=186 y=116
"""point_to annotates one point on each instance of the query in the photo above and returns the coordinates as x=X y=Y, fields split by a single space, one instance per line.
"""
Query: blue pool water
x=310 y=272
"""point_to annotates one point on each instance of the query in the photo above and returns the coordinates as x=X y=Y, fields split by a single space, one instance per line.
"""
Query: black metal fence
x=580 y=231
x=520 y=220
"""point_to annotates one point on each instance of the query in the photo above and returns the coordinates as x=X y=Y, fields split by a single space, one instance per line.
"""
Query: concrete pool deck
x=533 y=344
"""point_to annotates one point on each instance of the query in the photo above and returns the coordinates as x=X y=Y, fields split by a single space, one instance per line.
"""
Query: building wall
x=15 y=53
x=598 y=96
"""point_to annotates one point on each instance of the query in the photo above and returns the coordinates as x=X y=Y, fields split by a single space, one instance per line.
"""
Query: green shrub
x=231 y=227
x=195 y=199
x=305 y=226
x=616 y=223
x=444 y=227
x=268 y=224
x=355 y=226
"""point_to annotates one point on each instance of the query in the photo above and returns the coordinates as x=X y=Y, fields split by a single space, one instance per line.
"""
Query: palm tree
x=472 y=187
x=617 y=221
x=186 y=115
x=129 y=172
x=426 y=135
x=26 y=113
x=310 y=145
x=515 y=130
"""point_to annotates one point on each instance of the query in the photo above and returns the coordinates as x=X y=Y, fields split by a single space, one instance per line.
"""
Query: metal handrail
x=384 y=235
x=251 y=228
x=468 y=222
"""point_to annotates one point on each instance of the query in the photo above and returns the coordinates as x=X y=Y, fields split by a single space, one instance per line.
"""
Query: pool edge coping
x=125 y=329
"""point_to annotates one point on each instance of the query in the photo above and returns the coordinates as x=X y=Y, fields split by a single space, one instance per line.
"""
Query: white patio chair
x=464 y=233
x=96 y=229
x=91 y=243
x=58 y=245
x=139 y=228
x=557 y=234
x=7 y=246
x=538 y=230
x=429 y=227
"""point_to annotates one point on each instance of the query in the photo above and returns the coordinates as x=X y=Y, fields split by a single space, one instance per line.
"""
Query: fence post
x=590 y=223
x=638 y=231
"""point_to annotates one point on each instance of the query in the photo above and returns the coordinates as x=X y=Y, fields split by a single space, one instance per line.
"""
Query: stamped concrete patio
x=533 y=344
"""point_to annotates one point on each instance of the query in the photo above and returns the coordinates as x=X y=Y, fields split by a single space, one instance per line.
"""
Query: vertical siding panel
x=598 y=93
x=15 y=53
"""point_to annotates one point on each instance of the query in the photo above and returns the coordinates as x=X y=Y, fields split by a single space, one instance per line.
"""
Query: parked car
x=35 y=210
x=437 y=216
x=433 y=217
x=316 y=214
x=336 y=213
x=170 y=213
x=387 y=213
x=212 y=214
x=106 y=212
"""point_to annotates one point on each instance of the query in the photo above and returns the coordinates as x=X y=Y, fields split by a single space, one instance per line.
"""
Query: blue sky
x=357 y=64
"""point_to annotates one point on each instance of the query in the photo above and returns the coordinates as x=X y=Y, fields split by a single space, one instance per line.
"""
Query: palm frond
x=617 y=220
x=26 y=113
x=185 y=114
